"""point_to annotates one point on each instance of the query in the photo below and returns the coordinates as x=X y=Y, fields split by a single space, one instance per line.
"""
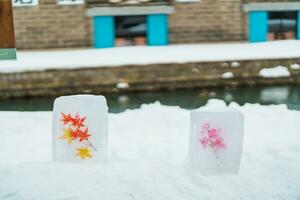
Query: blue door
x=157 y=29
x=258 y=26
x=104 y=31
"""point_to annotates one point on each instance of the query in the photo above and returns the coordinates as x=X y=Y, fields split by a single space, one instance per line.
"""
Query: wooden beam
x=7 y=35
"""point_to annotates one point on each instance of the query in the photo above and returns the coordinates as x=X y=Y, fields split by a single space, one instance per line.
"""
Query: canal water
x=190 y=99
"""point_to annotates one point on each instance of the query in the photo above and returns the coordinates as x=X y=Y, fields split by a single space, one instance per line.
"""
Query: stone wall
x=50 y=25
x=207 y=20
x=142 y=78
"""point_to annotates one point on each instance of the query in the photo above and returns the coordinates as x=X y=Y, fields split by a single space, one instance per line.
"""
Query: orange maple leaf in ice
x=66 y=118
x=83 y=135
x=78 y=121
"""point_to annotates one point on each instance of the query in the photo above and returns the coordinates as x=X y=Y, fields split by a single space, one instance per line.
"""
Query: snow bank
x=148 y=152
x=112 y=57
x=274 y=72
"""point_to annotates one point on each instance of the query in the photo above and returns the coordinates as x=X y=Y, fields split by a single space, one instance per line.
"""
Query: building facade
x=42 y=24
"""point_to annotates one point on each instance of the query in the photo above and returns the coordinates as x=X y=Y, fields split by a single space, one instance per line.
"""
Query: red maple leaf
x=74 y=134
x=83 y=135
x=66 y=118
x=78 y=121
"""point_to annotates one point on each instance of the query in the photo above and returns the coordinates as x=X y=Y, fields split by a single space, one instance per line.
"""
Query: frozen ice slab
x=216 y=141
x=80 y=128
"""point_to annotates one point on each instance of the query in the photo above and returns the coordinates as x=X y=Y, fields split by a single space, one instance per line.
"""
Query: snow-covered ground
x=148 y=158
x=111 y=57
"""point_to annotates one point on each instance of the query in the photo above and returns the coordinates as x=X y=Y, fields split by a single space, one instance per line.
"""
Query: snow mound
x=295 y=66
x=227 y=75
x=148 y=158
x=274 y=72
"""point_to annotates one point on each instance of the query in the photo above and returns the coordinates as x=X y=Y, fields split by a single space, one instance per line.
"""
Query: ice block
x=80 y=128
x=216 y=141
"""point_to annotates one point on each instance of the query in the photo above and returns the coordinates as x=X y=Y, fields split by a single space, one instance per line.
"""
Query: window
x=282 y=25
x=130 y=30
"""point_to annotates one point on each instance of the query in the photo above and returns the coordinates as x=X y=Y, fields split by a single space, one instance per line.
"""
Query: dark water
x=289 y=95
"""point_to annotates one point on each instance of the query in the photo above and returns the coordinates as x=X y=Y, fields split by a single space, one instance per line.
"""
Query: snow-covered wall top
x=142 y=55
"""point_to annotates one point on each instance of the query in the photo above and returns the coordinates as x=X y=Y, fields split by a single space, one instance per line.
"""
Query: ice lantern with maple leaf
x=80 y=128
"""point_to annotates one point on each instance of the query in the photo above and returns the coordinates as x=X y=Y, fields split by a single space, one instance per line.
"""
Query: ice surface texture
x=216 y=141
x=80 y=128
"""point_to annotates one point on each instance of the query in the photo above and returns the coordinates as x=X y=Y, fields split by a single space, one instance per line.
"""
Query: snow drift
x=148 y=158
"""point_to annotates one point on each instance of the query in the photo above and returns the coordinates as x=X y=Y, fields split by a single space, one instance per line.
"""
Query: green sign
x=8 y=54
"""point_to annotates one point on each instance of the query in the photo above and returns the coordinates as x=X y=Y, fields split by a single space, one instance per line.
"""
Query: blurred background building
x=107 y=23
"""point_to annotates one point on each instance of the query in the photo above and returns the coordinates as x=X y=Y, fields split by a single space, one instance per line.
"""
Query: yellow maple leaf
x=84 y=153
x=67 y=135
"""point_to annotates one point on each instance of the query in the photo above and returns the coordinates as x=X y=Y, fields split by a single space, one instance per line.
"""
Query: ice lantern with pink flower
x=80 y=128
x=216 y=140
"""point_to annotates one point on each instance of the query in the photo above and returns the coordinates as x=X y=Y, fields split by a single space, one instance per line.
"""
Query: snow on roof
x=141 y=55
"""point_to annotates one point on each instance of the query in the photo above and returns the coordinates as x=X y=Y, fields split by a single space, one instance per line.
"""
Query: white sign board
x=21 y=3
x=70 y=2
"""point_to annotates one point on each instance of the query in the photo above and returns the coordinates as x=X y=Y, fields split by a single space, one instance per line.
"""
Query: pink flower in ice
x=211 y=137
x=204 y=141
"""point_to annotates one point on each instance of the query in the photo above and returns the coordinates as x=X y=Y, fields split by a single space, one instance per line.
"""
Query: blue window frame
x=105 y=30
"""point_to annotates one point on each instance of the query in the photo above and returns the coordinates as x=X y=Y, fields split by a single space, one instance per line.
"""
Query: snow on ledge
x=122 y=85
x=295 y=66
x=274 y=72
x=141 y=55
x=227 y=75
x=235 y=64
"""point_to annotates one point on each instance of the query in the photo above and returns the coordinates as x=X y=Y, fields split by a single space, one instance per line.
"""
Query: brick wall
x=50 y=25
x=208 y=20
